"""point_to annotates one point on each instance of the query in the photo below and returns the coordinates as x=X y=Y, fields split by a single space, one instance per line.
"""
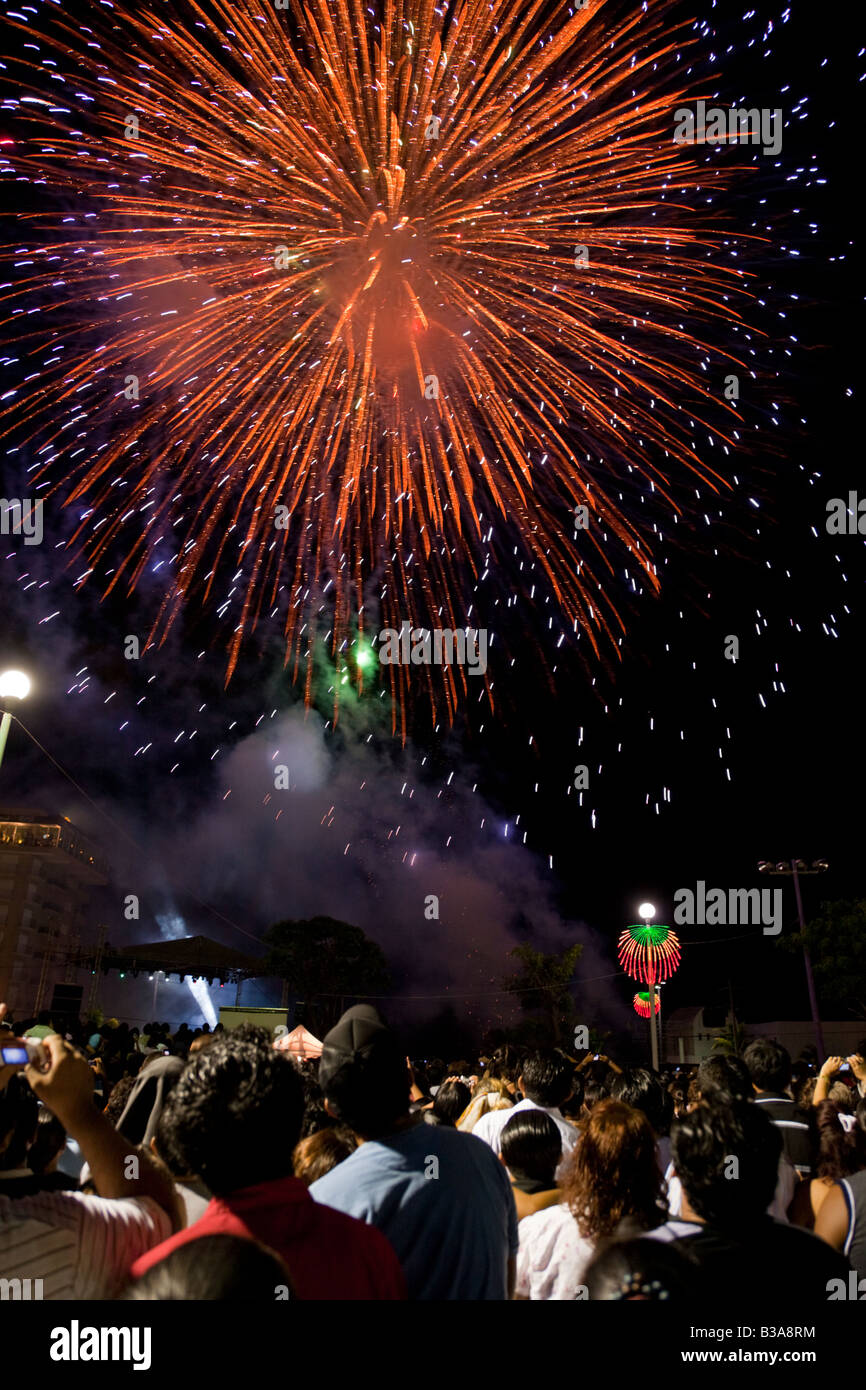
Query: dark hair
x=769 y=1064
x=505 y=1063
x=225 y=1268
x=234 y=1116
x=593 y=1092
x=836 y=1153
x=18 y=1117
x=116 y=1103
x=547 y=1077
x=318 y=1153
x=643 y=1090
x=650 y=1270
x=49 y=1142
x=531 y=1147
x=725 y=1077
x=450 y=1102
x=369 y=1092
x=614 y=1172
x=704 y=1145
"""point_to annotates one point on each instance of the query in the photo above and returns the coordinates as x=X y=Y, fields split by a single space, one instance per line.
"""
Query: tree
x=542 y=984
x=733 y=1039
x=836 y=942
x=327 y=964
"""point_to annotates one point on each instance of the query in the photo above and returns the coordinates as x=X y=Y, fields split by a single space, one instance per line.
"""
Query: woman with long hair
x=612 y=1189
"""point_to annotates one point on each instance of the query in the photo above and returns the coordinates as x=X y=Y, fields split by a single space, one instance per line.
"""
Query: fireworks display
x=649 y=954
x=323 y=318
x=358 y=305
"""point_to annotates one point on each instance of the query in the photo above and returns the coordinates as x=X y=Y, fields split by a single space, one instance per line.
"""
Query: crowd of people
x=158 y=1165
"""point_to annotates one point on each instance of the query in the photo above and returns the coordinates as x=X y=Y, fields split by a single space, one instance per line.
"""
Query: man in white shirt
x=546 y=1083
x=80 y=1247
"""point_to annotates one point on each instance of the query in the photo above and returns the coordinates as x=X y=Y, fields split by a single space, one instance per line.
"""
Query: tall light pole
x=14 y=687
x=792 y=868
x=647 y=912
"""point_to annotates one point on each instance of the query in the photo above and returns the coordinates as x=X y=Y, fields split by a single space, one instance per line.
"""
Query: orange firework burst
x=383 y=296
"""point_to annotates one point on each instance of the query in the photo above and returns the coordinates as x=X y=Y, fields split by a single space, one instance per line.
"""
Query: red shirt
x=329 y=1255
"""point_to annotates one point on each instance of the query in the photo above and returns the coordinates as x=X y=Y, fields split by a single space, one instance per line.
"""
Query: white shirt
x=490 y=1127
x=552 y=1257
x=80 y=1247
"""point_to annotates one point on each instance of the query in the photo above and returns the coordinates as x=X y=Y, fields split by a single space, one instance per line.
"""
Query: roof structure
x=198 y=956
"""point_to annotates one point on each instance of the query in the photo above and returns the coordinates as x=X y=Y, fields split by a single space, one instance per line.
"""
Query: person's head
x=593 y=1092
x=546 y=1077
x=837 y=1152
x=49 y=1143
x=531 y=1148
x=643 y=1090
x=319 y=1153
x=201 y=1040
x=726 y=1077
x=841 y=1096
x=679 y=1097
x=727 y=1159
x=451 y=1100
x=613 y=1172
x=804 y=1095
x=116 y=1103
x=224 y=1268
x=641 y=1270
x=363 y=1073
x=769 y=1064
x=505 y=1064
x=234 y=1115
x=19 y=1109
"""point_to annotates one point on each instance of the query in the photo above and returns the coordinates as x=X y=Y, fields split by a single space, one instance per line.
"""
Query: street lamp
x=645 y=952
x=647 y=912
x=792 y=868
x=14 y=686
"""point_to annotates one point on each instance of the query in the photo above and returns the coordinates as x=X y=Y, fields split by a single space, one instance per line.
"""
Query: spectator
x=531 y=1151
x=451 y=1099
x=725 y=1080
x=45 y=1152
x=769 y=1066
x=43 y=1028
x=841 y=1220
x=643 y=1090
x=726 y=1077
x=837 y=1152
x=612 y=1187
x=488 y=1096
x=319 y=1153
x=440 y=1197
x=727 y=1158
x=233 y=1119
x=546 y=1082
x=79 y=1246
x=640 y=1270
x=230 y=1269
x=140 y=1116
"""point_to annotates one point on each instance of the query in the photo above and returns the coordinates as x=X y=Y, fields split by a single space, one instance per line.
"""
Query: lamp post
x=793 y=868
x=645 y=952
x=14 y=686
x=647 y=912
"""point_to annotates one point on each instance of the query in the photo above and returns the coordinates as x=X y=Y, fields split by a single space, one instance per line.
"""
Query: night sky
x=699 y=767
